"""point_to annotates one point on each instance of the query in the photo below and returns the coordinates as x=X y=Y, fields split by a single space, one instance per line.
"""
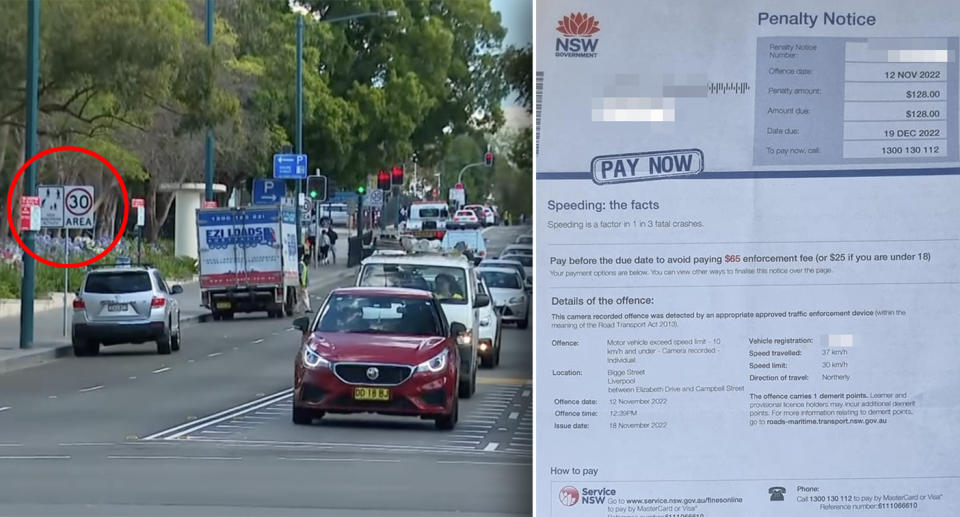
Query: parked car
x=373 y=350
x=508 y=294
x=524 y=239
x=125 y=304
x=336 y=212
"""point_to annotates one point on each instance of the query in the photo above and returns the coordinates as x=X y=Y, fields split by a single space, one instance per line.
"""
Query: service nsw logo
x=577 y=39
x=571 y=496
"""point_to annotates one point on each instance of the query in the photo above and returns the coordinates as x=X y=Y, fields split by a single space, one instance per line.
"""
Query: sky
x=517 y=17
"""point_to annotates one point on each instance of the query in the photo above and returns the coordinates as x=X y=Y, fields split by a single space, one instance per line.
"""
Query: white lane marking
x=274 y=333
x=11 y=445
x=358 y=460
x=83 y=444
x=161 y=370
x=230 y=426
x=518 y=439
x=52 y=397
x=132 y=377
x=230 y=413
x=34 y=457
x=492 y=446
x=255 y=417
x=201 y=458
x=215 y=432
x=257 y=342
x=454 y=462
x=190 y=361
x=526 y=393
x=4 y=408
x=91 y=388
x=291 y=329
x=513 y=415
x=214 y=354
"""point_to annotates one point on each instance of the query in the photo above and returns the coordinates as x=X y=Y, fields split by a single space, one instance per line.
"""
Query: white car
x=508 y=294
x=490 y=329
x=526 y=260
x=453 y=280
x=517 y=249
x=465 y=217
x=524 y=239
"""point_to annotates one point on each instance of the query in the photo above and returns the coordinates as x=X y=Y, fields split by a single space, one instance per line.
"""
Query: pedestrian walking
x=304 y=282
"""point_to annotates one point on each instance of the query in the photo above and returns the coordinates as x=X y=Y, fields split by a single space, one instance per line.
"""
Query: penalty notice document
x=747 y=224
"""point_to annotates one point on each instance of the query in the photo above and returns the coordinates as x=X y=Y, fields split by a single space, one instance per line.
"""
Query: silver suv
x=130 y=304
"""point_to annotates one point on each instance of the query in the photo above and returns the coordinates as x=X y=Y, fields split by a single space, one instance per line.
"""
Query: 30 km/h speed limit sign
x=78 y=207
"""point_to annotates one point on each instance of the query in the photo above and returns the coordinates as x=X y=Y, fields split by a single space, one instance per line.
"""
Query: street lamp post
x=208 y=161
x=387 y=14
x=30 y=187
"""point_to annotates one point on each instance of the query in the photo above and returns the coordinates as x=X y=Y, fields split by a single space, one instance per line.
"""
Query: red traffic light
x=397 y=175
x=488 y=159
x=383 y=180
x=459 y=186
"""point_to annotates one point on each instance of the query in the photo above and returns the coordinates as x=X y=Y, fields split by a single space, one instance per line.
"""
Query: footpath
x=49 y=341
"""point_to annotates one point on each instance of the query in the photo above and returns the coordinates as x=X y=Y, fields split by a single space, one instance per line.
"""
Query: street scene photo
x=266 y=257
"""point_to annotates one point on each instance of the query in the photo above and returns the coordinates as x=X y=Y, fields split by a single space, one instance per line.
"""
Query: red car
x=378 y=350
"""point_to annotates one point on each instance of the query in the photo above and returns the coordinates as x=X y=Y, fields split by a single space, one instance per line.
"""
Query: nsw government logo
x=577 y=39
x=631 y=167
x=569 y=496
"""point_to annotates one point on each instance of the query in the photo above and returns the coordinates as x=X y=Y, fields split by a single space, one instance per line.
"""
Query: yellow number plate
x=223 y=305
x=364 y=393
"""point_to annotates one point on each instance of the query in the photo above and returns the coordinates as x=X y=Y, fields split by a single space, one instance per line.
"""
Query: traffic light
x=361 y=190
x=488 y=159
x=317 y=188
x=396 y=176
x=383 y=180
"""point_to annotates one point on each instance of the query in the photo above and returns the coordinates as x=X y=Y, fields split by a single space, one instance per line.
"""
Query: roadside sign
x=141 y=212
x=374 y=199
x=289 y=166
x=209 y=204
x=268 y=191
x=30 y=213
x=78 y=207
x=457 y=194
x=51 y=206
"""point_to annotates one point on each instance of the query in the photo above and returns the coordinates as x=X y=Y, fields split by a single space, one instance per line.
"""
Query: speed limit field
x=78 y=207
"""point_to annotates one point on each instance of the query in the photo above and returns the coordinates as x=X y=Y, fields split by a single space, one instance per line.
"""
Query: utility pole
x=28 y=284
x=208 y=161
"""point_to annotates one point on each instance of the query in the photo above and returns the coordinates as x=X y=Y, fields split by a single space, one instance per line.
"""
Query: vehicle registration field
x=223 y=305
x=375 y=394
x=116 y=307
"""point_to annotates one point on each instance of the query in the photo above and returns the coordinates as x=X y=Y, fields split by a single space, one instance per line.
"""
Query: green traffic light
x=313 y=194
x=361 y=190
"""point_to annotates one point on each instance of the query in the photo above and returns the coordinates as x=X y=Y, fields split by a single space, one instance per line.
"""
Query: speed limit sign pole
x=139 y=205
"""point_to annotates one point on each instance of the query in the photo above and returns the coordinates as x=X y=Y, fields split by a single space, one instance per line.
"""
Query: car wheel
x=449 y=422
x=496 y=352
x=216 y=315
x=175 y=339
x=525 y=322
x=302 y=416
x=468 y=387
x=289 y=305
x=163 y=343
x=85 y=347
x=227 y=316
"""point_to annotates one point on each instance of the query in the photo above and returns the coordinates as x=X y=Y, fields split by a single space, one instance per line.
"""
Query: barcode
x=724 y=88
x=539 y=109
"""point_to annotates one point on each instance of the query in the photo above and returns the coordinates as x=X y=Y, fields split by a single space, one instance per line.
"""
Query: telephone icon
x=776 y=493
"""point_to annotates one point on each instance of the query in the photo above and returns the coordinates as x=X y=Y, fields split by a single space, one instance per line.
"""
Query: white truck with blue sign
x=248 y=260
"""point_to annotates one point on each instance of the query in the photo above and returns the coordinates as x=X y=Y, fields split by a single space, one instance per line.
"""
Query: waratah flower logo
x=578 y=24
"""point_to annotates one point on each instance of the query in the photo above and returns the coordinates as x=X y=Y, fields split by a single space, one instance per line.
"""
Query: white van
x=337 y=212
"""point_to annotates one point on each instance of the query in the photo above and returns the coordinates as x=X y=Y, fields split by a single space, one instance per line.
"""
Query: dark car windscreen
x=118 y=282
x=380 y=314
x=498 y=279
x=526 y=260
x=448 y=283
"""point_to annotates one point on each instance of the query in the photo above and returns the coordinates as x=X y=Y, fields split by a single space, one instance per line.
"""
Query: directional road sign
x=51 y=206
x=289 y=166
x=268 y=191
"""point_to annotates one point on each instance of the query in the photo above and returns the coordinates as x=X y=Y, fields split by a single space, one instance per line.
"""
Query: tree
x=517 y=72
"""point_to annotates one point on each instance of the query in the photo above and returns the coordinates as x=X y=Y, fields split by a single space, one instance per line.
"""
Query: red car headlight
x=436 y=363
